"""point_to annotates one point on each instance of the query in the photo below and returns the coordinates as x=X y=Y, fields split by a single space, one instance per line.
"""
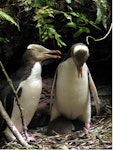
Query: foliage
x=68 y=1
x=102 y=7
x=45 y=15
x=45 y=18
x=80 y=25
x=4 y=40
x=7 y=17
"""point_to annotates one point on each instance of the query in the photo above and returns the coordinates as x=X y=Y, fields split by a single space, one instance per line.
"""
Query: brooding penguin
x=71 y=87
x=28 y=84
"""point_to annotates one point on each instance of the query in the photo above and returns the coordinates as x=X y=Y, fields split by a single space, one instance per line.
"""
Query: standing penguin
x=71 y=87
x=28 y=84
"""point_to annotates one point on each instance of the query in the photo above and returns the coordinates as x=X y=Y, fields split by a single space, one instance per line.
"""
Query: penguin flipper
x=52 y=90
x=94 y=93
x=7 y=98
x=53 y=108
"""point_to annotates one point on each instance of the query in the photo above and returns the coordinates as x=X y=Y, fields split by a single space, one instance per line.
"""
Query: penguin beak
x=53 y=54
x=40 y=53
x=79 y=69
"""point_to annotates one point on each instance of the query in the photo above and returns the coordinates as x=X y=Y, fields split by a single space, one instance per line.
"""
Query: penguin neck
x=27 y=68
x=27 y=60
x=72 y=67
x=35 y=71
x=32 y=67
x=71 y=62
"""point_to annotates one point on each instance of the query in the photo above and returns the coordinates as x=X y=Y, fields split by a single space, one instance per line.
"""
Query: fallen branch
x=12 y=126
x=16 y=99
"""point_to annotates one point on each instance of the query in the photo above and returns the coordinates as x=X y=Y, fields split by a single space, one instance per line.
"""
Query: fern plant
x=45 y=18
x=44 y=14
x=5 y=16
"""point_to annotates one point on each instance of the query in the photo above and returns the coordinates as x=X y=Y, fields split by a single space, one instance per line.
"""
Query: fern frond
x=5 y=16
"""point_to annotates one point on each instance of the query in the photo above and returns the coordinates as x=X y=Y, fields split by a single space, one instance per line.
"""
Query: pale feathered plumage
x=71 y=87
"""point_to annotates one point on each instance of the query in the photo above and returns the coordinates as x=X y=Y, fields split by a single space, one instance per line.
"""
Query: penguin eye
x=39 y=50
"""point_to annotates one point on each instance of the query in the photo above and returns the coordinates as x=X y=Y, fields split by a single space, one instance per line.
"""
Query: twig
x=101 y=141
x=12 y=127
x=16 y=99
x=96 y=40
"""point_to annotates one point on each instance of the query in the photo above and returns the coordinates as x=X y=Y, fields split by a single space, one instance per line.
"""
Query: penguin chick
x=60 y=125
x=28 y=84
x=71 y=87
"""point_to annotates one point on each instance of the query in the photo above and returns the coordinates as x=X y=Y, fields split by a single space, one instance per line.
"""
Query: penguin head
x=79 y=53
x=40 y=53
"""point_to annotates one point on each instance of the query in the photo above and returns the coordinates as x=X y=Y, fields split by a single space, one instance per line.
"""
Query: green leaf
x=68 y=1
x=48 y=21
x=5 y=16
x=94 y=25
x=71 y=25
x=75 y=14
x=80 y=31
x=69 y=17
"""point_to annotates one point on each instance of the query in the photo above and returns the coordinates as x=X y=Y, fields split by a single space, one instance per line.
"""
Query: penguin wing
x=94 y=92
x=52 y=90
x=7 y=97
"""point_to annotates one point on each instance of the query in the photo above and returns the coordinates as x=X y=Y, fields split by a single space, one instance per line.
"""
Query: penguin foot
x=28 y=138
x=32 y=137
x=87 y=125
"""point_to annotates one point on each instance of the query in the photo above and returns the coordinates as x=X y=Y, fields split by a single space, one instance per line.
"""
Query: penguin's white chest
x=29 y=99
x=72 y=93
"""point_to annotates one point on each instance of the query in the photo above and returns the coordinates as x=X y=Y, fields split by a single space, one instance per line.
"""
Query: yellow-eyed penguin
x=28 y=83
x=71 y=87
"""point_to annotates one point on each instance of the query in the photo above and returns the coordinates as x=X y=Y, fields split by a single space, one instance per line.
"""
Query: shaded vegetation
x=51 y=23
x=47 y=15
x=5 y=16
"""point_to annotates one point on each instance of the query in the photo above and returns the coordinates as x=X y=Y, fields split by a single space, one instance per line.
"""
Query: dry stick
x=87 y=37
x=12 y=126
x=16 y=98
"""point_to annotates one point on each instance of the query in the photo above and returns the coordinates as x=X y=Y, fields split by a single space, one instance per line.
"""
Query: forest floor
x=98 y=137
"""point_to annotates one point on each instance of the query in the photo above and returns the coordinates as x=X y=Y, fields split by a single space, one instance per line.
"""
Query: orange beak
x=53 y=53
x=79 y=69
